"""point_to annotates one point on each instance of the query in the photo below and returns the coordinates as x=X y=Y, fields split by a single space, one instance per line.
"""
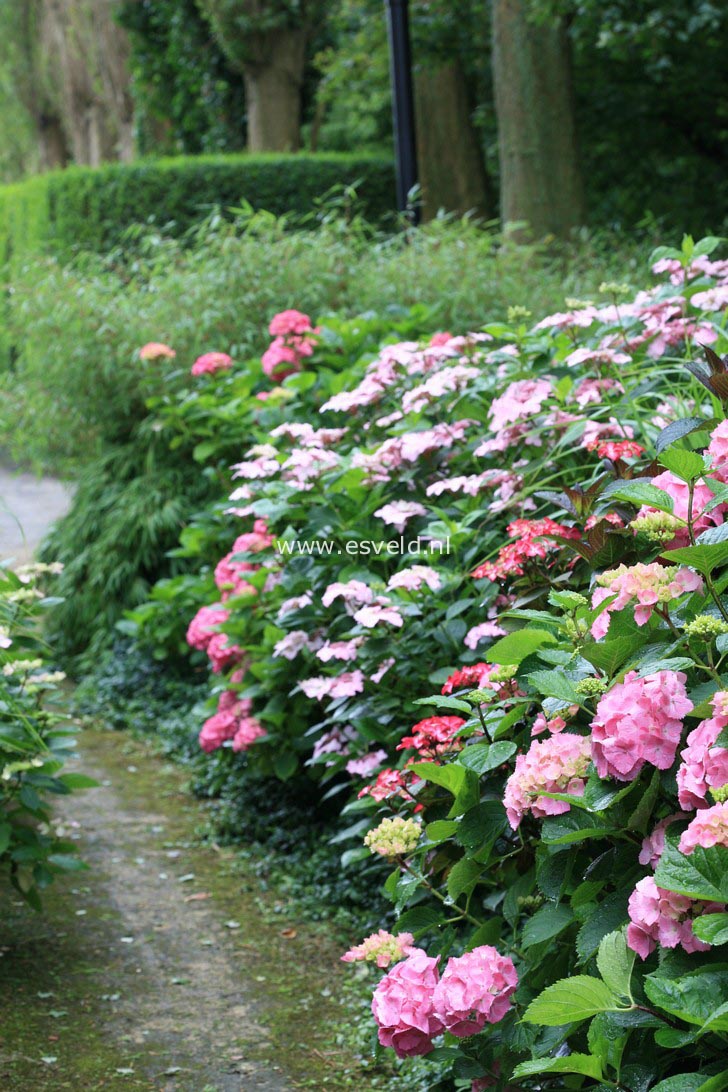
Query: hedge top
x=85 y=208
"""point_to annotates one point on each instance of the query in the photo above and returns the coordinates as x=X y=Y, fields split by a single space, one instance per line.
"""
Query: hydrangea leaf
x=571 y=1000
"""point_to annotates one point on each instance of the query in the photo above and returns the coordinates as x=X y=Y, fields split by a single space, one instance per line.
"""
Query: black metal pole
x=403 y=108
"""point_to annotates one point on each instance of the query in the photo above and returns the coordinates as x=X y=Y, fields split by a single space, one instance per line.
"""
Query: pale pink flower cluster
x=412 y=1004
x=366 y=764
x=307 y=435
x=557 y=764
x=210 y=363
x=639 y=721
x=521 y=399
x=304 y=465
x=381 y=610
x=647 y=585
x=345 y=685
x=413 y=578
x=296 y=602
x=709 y=828
x=593 y=390
x=595 y=431
x=480 y=632
x=653 y=845
x=704 y=766
x=295 y=642
x=353 y=592
x=333 y=742
x=713 y=299
x=446 y=381
x=661 y=917
x=397 y=514
x=339 y=650
x=381 y=948
x=596 y=356
x=408 y=448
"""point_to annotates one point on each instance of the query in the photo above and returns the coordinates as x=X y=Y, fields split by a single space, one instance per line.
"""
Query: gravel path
x=28 y=506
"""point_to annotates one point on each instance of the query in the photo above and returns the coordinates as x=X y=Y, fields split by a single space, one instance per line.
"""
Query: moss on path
x=162 y=967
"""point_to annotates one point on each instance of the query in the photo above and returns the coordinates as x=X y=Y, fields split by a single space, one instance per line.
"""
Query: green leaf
x=639 y=491
x=609 y=655
x=704 y=558
x=694 y=997
x=686 y=465
x=5 y=832
x=688 y=1082
x=451 y=777
x=571 y=1000
x=441 y=830
x=547 y=922
x=573 y=826
x=285 y=765
x=702 y=875
x=442 y=702
x=585 y=1064
x=676 y=430
x=419 y=919
x=482 y=824
x=712 y=928
x=514 y=648
x=463 y=877
x=483 y=757
x=78 y=781
x=554 y=684
x=615 y=962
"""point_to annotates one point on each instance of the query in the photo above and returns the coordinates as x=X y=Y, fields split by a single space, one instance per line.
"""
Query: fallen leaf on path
x=232 y=924
x=289 y=934
x=198 y=897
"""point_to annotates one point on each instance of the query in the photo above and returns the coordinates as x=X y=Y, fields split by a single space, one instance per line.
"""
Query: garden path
x=165 y=966
x=28 y=506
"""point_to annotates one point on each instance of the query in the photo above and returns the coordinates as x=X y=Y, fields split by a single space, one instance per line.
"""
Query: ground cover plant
x=35 y=742
x=556 y=497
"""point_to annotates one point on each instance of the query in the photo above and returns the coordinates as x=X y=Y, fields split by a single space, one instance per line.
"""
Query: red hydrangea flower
x=617 y=449
x=532 y=541
x=432 y=735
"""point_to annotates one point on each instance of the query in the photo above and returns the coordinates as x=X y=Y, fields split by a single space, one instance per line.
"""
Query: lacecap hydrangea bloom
x=474 y=989
x=209 y=363
x=662 y=917
x=394 y=837
x=557 y=764
x=639 y=721
x=680 y=493
x=704 y=766
x=646 y=585
x=381 y=948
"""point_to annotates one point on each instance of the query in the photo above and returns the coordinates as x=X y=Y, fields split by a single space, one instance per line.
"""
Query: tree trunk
x=539 y=168
x=52 y=142
x=273 y=93
x=450 y=158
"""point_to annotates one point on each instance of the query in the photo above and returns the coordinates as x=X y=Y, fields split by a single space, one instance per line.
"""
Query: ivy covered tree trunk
x=539 y=168
x=449 y=153
x=273 y=93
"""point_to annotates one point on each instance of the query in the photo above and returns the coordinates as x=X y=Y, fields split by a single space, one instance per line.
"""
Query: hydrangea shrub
x=519 y=532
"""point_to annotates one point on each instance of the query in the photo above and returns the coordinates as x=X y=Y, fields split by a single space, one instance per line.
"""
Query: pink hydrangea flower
x=345 y=685
x=712 y=299
x=381 y=948
x=221 y=654
x=398 y=513
x=294 y=643
x=521 y=399
x=333 y=742
x=217 y=729
x=648 y=585
x=377 y=612
x=638 y=721
x=367 y=764
x=280 y=360
x=480 y=632
x=403 y=1009
x=353 y=592
x=661 y=917
x=340 y=650
x=597 y=356
x=254 y=541
x=289 y=322
x=708 y=828
x=249 y=729
x=594 y=390
x=156 y=350
x=474 y=989
x=413 y=578
x=229 y=577
x=382 y=669
x=653 y=845
x=718 y=450
x=557 y=764
x=209 y=363
x=297 y=602
x=704 y=766
x=204 y=625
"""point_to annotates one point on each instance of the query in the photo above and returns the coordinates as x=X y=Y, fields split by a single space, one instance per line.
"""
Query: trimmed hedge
x=86 y=208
